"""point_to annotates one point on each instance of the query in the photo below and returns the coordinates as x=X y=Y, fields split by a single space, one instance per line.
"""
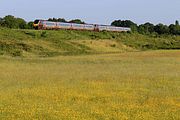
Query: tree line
x=149 y=28
x=10 y=21
x=78 y=21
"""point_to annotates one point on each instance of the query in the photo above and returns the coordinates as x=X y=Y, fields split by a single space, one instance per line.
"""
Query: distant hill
x=32 y=43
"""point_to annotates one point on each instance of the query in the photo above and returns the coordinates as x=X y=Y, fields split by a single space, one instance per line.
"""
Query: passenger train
x=48 y=25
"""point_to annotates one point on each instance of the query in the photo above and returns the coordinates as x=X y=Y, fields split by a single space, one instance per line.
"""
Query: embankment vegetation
x=18 y=42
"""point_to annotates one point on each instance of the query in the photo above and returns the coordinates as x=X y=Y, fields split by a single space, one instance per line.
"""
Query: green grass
x=31 y=43
x=131 y=85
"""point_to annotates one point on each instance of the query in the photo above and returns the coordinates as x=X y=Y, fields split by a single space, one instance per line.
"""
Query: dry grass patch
x=105 y=46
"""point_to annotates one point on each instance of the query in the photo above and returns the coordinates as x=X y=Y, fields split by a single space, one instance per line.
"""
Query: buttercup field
x=90 y=60
x=115 y=86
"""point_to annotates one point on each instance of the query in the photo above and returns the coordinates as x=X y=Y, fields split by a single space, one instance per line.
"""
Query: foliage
x=174 y=29
x=123 y=23
x=1 y=21
x=146 y=28
x=161 y=29
x=149 y=28
x=10 y=21
x=30 y=25
x=63 y=20
x=78 y=21
x=57 y=20
x=65 y=42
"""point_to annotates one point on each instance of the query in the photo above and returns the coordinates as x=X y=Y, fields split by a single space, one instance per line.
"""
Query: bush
x=16 y=53
x=44 y=34
x=12 y=22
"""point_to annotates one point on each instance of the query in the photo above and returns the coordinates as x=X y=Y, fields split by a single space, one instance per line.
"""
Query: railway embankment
x=33 y=43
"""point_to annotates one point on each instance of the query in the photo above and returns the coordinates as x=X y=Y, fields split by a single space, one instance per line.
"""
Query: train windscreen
x=36 y=21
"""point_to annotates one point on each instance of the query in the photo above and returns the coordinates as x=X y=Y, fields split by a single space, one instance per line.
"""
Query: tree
x=12 y=22
x=149 y=27
x=21 y=23
x=175 y=29
x=1 y=20
x=9 y=21
x=161 y=29
x=177 y=23
x=124 y=23
x=134 y=28
x=146 y=28
x=57 y=20
x=61 y=20
x=78 y=21
x=29 y=25
x=50 y=19
x=141 y=29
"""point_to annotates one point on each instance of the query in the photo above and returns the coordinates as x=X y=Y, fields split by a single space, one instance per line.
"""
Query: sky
x=94 y=11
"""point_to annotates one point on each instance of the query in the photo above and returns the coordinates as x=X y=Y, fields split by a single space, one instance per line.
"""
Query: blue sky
x=95 y=11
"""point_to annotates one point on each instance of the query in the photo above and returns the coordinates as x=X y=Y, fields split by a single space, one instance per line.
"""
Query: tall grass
x=133 y=85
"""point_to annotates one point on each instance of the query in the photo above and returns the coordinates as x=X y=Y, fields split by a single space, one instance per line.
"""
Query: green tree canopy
x=177 y=23
x=175 y=29
x=12 y=22
x=30 y=25
x=78 y=21
x=123 y=23
x=162 y=29
x=57 y=20
x=146 y=28
x=1 y=20
x=21 y=23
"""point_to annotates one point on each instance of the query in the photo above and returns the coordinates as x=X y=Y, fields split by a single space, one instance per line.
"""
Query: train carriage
x=102 y=27
x=49 y=25
x=89 y=27
x=77 y=26
x=61 y=25
x=43 y=24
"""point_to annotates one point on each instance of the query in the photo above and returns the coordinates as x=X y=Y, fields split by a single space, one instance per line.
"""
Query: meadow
x=121 y=86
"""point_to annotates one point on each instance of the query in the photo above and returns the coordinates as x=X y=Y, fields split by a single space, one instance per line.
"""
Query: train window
x=88 y=26
x=49 y=23
x=102 y=27
x=77 y=25
x=64 y=24
x=41 y=22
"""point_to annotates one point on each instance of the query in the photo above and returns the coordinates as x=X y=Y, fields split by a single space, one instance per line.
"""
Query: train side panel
x=49 y=25
x=78 y=26
x=88 y=27
x=102 y=27
x=61 y=25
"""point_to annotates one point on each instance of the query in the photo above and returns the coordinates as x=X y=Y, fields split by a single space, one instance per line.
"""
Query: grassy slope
x=53 y=43
x=133 y=85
